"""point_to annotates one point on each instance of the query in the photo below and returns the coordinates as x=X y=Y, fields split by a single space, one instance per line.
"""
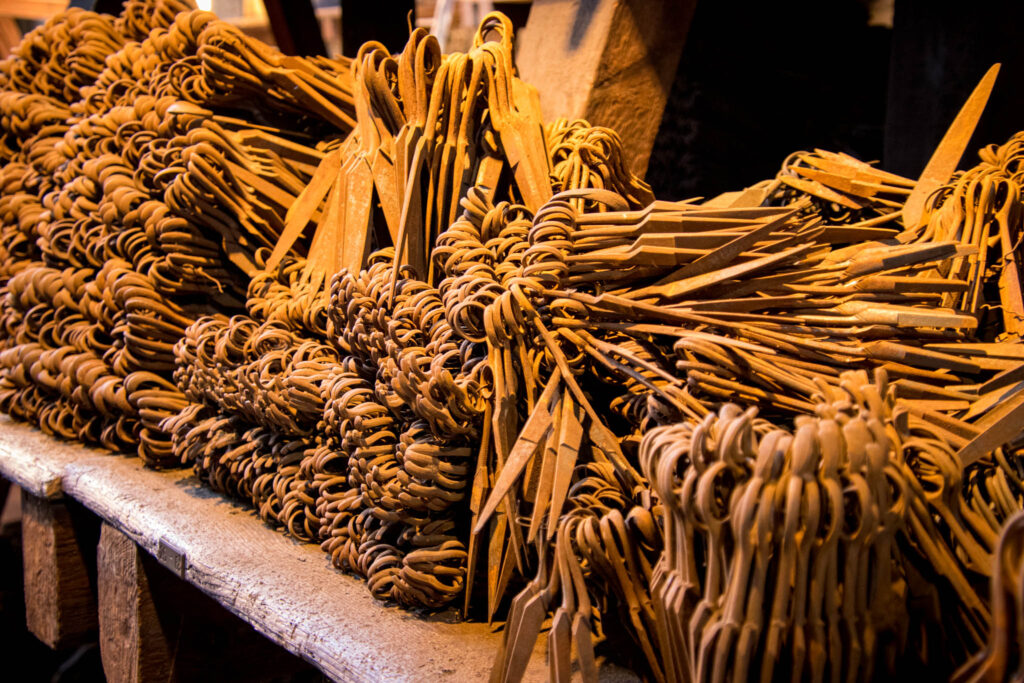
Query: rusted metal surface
x=775 y=433
x=131 y=208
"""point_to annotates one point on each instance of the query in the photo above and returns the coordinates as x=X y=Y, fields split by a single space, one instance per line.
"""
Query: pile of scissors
x=393 y=457
x=823 y=334
x=136 y=201
x=771 y=433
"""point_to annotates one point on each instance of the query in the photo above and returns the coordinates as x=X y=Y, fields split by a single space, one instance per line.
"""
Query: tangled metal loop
x=263 y=372
x=585 y=156
x=128 y=198
x=775 y=433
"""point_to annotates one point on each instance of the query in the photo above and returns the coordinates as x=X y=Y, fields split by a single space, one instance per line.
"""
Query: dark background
x=759 y=80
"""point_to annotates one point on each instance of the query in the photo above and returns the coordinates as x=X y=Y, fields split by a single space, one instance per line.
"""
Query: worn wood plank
x=282 y=589
x=40 y=10
x=611 y=62
x=156 y=627
x=285 y=590
x=133 y=646
x=57 y=549
x=29 y=459
x=10 y=35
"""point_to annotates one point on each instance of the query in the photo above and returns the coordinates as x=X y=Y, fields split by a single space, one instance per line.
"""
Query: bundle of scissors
x=139 y=184
x=771 y=433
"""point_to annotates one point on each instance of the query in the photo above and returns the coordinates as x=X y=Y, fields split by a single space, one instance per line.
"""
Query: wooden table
x=287 y=591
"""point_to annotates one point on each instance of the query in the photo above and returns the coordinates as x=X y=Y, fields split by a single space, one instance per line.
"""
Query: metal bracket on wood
x=172 y=557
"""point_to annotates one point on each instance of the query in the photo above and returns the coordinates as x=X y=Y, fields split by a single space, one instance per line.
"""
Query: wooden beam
x=287 y=591
x=10 y=35
x=58 y=541
x=258 y=574
x=611 y=62
x=155 y=627
x=36 y=10
x=133 y=645
x=28 y=458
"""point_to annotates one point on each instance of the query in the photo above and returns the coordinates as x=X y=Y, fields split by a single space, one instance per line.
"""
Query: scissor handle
x=496 y=23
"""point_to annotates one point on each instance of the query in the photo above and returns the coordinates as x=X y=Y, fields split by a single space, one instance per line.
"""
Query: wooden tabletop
x=286 y=590
x=35 y=461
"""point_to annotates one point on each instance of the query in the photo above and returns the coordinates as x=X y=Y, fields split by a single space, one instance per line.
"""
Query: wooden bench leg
x=133 y=645
x=60 y=602
x=5 y=491
x=156 y=627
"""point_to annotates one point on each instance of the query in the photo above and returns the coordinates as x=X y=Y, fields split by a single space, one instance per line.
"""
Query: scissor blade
x=947 y=155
